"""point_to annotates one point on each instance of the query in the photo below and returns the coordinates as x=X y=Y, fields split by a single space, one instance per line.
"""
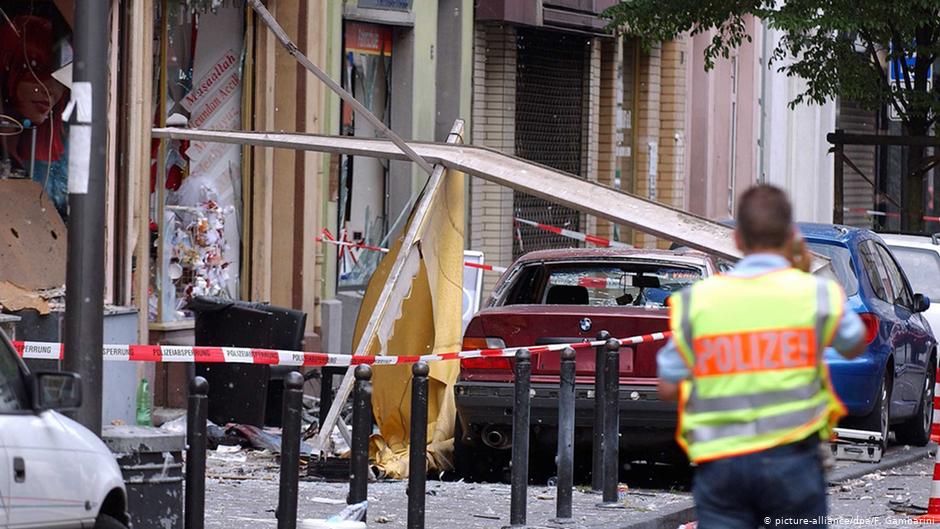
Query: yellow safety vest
x=754 y=346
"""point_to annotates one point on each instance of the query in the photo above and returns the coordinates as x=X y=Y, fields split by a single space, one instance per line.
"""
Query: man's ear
x=738 y=240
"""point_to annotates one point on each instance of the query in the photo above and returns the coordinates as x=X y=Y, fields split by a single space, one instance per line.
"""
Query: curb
x=900 y=458
x=671 y=518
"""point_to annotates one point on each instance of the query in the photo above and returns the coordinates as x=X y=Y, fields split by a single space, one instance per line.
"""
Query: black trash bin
x=245 y=393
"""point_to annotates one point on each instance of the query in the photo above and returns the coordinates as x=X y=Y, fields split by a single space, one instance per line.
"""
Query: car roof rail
x=935 y=239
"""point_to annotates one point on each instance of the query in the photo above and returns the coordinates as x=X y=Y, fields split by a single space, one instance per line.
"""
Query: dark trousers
x=779 y=487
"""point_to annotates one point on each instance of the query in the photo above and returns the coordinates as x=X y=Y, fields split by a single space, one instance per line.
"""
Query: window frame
x=6 y=348
x=906 y=297
x=874 y=270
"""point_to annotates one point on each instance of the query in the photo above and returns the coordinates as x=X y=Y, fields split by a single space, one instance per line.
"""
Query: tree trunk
x=913 y=183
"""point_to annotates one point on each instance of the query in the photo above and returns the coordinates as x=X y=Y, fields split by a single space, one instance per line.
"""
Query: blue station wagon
x=891 y=385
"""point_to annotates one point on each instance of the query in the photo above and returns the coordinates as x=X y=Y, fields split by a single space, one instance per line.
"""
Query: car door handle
x=19 y=469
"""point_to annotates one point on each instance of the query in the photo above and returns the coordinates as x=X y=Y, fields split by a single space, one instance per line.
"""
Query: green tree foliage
x=841 y=48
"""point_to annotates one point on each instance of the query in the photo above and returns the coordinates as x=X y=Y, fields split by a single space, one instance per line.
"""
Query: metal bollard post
x=196 y=417
x=611 y=424
x=417 y=457
x=565 y=436
x=361 y=429
x=290 y=451
x=597 y=454
x=519 y=477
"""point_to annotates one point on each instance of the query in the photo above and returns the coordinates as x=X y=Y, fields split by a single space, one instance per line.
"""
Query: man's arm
x=849 y=339
x=672 y=370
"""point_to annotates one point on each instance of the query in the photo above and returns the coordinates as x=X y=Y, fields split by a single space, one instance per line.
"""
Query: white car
x=920 y=258
x=53 y=472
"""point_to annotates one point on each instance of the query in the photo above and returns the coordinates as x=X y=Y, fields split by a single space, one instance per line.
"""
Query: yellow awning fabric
x=429 y=322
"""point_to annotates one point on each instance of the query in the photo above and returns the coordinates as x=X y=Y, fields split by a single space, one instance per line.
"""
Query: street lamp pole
x=84 y=280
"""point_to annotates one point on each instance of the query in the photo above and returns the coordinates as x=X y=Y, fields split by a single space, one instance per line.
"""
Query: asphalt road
x=241 y=490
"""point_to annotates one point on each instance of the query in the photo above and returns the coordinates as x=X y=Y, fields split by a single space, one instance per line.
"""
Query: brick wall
x=660 y=124
x=493 y=117
x=590 y=125
x=610 y=67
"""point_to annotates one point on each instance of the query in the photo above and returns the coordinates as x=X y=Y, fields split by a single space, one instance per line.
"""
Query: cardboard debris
x=14 y=298
x=32 y=238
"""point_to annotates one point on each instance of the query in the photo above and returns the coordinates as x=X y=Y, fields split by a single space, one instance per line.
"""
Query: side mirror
x=921 y=303
x=57 y=391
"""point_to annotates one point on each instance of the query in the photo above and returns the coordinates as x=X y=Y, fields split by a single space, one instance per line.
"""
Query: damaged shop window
x=363 y=199
x=196 y=187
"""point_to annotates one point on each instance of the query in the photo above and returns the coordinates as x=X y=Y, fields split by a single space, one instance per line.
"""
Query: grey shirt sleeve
x=670 y=365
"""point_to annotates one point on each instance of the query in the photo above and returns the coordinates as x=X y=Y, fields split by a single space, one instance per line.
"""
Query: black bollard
x=290 y=451
x=417 y=455
x=565 y=436
x=361 y=429
x=196 y=417
x=519 y=477
x=611 y=423
x=597 y=451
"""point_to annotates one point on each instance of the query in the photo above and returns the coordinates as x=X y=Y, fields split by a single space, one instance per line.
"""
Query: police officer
x=746 y=364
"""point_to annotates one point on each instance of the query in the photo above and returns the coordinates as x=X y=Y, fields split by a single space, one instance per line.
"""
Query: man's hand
x=800 y=256
x=668 y=391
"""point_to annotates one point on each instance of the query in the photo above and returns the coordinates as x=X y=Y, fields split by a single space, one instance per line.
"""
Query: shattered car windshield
x=638 y=285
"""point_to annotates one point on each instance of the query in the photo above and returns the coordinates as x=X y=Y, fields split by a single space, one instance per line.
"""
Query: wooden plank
x=282 y=211
x=261 y=226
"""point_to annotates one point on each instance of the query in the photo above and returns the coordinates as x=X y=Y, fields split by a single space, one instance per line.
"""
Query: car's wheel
x=916 y=431
x=103 y=521
x=879 y=419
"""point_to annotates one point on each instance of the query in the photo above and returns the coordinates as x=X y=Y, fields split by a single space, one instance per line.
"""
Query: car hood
x=85 y=440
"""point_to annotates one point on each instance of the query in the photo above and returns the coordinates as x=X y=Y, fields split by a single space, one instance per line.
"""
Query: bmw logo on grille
x=585 y=324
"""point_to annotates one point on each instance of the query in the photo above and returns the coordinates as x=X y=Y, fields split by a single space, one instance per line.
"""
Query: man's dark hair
x=764 y=217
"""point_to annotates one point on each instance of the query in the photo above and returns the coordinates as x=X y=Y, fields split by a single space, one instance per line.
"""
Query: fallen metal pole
x=555 y=186
x=519 y=473
x=348 y=98
x=611 y=423
x=597 y=450
x=417 y=451
x=563 y=495
x=290 y=451
x=362 y=428
x=196 y=417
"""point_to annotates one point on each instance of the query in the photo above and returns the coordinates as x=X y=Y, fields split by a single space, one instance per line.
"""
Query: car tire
x=916 y=430
x=103 y=521
x=879 y=419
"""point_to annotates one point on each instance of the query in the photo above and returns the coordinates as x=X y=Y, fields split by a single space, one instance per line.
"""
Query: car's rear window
x=922 y=268
x=606 y=284
x=841 y=261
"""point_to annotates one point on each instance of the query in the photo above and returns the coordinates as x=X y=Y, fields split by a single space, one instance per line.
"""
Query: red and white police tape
x=329 y=239
x=245 y=355
x=571 y=234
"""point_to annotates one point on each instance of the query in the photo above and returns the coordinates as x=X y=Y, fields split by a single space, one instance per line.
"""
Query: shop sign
x=368 y=39
x=396 y=5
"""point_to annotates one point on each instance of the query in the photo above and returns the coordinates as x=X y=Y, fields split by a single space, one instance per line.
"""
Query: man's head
x=764 y=221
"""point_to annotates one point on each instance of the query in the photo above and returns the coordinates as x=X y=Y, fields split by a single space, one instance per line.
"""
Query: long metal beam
x=553 y=185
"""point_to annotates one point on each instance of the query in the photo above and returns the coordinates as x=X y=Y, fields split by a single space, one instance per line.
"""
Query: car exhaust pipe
x=494 y=437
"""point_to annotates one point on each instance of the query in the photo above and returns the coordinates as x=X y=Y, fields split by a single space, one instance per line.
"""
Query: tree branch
x=882 y=74
x=896 y=39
